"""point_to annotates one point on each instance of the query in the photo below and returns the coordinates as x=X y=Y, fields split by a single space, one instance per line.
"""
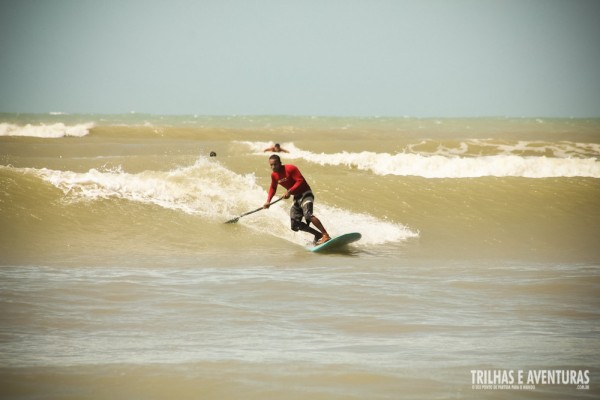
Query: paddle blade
x=233 y=221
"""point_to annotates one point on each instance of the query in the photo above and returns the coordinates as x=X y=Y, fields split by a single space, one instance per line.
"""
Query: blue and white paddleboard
x=336 y=242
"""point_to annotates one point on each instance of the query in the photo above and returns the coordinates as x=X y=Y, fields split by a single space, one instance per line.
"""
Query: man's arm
x=272 y=190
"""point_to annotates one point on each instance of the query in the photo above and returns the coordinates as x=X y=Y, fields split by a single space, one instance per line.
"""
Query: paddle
x=236 y=219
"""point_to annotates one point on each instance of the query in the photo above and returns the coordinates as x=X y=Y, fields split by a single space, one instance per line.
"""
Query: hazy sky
x=424 y=58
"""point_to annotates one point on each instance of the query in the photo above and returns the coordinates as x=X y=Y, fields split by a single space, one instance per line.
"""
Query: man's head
x=275 y=162
x=277 y=147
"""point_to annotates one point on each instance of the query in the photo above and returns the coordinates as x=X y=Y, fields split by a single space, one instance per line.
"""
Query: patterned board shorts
x=302 y=207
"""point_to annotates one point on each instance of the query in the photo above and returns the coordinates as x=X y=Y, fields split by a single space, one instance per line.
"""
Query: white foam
x=193 y=189
x=451 y=163
x=46 y=131
x=562 y=149
x=276 y=221
x=211 y=190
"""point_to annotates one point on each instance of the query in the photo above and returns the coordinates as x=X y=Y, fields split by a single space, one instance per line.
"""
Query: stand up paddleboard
x=336 y=242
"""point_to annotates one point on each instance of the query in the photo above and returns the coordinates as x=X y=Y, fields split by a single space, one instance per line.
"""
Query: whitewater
x=566 y=160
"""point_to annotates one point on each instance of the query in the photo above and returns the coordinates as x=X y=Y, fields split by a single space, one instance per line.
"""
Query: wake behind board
x=336 y=242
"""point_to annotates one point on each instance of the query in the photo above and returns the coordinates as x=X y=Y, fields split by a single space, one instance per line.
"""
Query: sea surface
x=119 y=277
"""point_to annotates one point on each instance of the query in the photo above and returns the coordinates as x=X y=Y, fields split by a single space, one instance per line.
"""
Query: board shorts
x=302 y=208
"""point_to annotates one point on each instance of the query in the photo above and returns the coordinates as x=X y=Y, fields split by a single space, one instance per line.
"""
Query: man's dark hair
x=275 y=157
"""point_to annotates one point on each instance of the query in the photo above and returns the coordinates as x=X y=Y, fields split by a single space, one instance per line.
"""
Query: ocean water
x=120 y=279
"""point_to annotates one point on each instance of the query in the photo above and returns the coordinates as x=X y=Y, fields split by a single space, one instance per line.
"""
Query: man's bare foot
x=324 y=239
x=318 y=237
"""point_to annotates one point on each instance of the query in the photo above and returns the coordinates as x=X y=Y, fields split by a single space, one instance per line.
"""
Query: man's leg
x=306 y=228
x=307 y=210
x=325 y=236
x=296 y=214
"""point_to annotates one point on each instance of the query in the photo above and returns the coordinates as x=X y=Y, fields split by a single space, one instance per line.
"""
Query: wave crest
x=57 y=130
x=459 y=161
x=212 y=191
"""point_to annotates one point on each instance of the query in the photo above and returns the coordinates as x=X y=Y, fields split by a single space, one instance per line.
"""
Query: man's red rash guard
x=290 y=178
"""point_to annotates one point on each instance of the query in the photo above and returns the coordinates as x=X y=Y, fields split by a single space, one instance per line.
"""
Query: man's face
x=275 y=165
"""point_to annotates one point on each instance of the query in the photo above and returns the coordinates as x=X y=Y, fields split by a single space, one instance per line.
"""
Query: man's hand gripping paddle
x=236 y=219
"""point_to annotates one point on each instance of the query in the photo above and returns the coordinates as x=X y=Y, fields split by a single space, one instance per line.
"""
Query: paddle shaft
x=253 y=211
x=260 y=208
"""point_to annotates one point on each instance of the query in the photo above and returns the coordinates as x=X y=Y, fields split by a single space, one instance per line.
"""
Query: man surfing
x=291 y=179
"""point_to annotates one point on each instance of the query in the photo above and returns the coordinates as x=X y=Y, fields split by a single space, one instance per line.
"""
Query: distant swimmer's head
x=213 y=154
x=277 y=147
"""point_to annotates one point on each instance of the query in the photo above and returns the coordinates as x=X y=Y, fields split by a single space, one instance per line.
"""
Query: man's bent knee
x=296 y=225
